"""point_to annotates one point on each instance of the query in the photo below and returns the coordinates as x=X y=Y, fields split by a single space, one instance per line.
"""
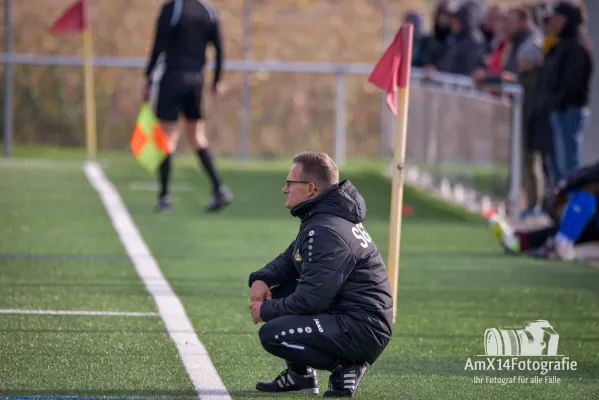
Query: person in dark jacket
x=468 y=48
x=538 y=121
x=569 y=80
x=184 y=30
x=575 y=220
x=326 y=299
x=434 y=46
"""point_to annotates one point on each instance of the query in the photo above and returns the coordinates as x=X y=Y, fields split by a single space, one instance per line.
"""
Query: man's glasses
x=289 y=183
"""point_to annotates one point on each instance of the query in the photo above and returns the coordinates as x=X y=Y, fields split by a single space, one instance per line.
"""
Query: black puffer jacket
x=339 y=268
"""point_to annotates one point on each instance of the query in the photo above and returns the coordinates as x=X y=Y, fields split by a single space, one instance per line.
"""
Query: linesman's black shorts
x=180 y=92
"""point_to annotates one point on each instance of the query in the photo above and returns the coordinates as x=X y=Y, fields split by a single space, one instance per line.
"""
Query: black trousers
x=321 y=341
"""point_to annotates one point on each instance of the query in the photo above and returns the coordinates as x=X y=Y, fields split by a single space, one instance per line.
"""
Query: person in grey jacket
x=326 y=300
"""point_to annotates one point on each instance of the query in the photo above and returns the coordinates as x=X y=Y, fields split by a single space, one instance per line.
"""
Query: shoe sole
x=220 y=207
x=301 y=391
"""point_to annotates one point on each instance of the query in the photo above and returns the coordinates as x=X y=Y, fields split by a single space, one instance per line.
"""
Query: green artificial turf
x=454 y=282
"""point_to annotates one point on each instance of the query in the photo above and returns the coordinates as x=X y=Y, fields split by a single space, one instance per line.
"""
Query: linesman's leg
x=195 y=132
x=168 y=108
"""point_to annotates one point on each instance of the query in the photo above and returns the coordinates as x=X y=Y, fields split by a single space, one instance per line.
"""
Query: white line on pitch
x=195 y=358
x=69 y=312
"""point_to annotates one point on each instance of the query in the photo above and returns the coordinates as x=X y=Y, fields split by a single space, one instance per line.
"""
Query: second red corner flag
x=392 y=70
x=74 y=19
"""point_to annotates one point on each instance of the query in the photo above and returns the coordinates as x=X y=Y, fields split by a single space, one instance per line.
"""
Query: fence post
x=246 y=90
x=341 y=120
x=8 y=80
x=515 y=173
x=432 y=139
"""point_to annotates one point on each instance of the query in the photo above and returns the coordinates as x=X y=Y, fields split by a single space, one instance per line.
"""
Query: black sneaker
x=220 y=200
x=344 y=382
x=164 y=204
x=545 y=251
x=290 y=381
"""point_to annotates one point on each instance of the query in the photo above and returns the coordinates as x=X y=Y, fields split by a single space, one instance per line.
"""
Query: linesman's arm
x=160 y=36
x=216 y=39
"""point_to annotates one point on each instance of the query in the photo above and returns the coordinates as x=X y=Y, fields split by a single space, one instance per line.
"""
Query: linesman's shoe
x=222 y=198
x=290 y=381
x=164 y=204
x=344 y=382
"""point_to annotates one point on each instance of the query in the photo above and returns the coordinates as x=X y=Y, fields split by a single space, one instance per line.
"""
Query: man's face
x=444 y=20
x=514 y=24
x=297 y=189
x=491 y=16
x=456 y=26
x=556 y=24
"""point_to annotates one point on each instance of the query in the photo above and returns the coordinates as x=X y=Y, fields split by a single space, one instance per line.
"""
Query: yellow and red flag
x=149 y=143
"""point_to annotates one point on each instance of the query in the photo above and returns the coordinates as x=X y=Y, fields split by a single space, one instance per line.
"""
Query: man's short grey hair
x=318 y=166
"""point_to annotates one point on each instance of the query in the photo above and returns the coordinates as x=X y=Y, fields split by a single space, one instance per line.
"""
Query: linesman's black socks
x=164 y=175
x=207 y=160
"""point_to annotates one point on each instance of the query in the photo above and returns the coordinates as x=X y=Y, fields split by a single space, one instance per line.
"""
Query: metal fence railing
x=456 y=131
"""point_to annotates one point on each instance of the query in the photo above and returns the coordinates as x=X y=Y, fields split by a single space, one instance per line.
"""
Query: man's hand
x=429 y=71
x=260 y=292
x=255 y=311
x=479 y=75
x=146 y=91
x=218 y=89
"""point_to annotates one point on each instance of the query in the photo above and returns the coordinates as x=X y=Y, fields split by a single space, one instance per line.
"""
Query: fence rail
x=442 y=83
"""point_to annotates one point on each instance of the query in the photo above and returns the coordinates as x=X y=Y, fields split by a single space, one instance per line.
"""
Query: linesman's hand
x=255 y=311
x=260 y=292
x=146 y=90
x=218 y=89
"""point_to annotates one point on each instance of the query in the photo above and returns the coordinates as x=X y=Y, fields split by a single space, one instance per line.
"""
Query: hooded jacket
x=338 y=267
x=464 y=54
x=570 y=69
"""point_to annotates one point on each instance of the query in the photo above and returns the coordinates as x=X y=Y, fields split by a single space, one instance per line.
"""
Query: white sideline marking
x=197 y=362
x=67 y=312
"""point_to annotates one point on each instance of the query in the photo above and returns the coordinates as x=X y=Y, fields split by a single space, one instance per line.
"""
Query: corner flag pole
x=76 y=19
x=399 y=155
x=90 y=103
x=390 y=72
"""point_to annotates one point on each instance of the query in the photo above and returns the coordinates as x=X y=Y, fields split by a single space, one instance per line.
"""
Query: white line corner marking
x=197 y=362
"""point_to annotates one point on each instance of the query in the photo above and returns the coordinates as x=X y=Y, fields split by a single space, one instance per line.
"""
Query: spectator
x=519 y=29
x=464 y=55
x=529 y=59
x=414 y=18
x=434 y=46
x=538 y=121
x=570 y=72
x=493 y=60
x=494 y=15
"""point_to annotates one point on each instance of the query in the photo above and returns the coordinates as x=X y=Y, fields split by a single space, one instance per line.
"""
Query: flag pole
x=399 y=154
x=88 y=70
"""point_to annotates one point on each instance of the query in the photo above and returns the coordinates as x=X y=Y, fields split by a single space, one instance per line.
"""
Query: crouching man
x=326 y=299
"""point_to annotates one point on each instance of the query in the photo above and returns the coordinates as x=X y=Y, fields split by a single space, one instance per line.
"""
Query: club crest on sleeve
x=298 y=256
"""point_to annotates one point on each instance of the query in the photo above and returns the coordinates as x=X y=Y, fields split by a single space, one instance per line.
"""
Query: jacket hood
x=469 y=16
x=342 y=200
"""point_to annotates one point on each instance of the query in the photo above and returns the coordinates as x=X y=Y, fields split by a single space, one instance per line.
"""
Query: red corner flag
x=74 y=19
x=392 y=70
